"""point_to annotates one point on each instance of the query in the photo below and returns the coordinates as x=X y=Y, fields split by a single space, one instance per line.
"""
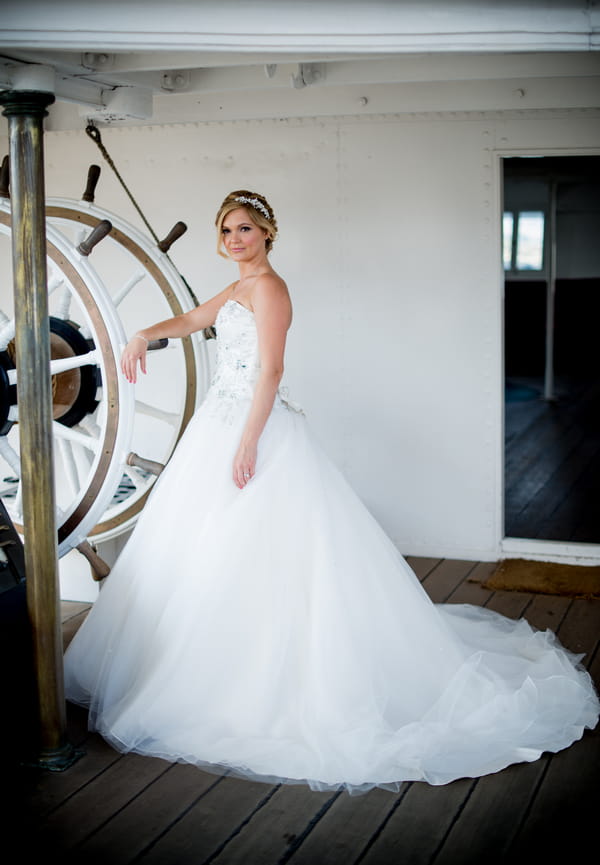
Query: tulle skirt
x=277 y=632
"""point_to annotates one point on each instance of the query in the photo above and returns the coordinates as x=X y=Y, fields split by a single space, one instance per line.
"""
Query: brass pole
x=25 y=111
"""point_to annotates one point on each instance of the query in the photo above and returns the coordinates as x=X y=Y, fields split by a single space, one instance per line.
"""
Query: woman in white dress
x=260 y=620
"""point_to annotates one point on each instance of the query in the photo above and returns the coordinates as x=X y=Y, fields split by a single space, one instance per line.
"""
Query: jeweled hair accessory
x=256 y=204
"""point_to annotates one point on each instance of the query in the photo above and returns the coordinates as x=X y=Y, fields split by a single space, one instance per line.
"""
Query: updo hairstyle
x=258 y=209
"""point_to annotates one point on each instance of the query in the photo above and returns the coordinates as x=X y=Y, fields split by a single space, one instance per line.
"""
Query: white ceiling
x=122 y=60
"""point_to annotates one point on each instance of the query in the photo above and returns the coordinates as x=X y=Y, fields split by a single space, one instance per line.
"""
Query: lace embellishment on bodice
x=237 y=363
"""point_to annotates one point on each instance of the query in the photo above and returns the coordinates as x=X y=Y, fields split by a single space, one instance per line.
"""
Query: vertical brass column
x=25 y=111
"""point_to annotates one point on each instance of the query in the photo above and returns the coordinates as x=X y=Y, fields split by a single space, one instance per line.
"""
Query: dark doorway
x=552 y=348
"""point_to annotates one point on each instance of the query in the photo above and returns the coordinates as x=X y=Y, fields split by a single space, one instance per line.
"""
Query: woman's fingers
x=129 y=361
x=242 y=474
x=244 y=465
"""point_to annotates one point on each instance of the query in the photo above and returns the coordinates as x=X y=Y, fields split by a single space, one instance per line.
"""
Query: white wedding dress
x=276 y=630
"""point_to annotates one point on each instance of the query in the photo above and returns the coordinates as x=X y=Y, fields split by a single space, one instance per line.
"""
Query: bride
x=260 y=621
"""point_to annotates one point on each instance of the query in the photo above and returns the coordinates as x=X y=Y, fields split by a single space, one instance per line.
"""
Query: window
x=523 y=240
x=508 y=224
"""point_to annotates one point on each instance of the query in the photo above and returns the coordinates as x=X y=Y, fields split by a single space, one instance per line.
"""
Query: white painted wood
x=381 y=99
x=273 y=25
x=186 y=76
x=551 y=551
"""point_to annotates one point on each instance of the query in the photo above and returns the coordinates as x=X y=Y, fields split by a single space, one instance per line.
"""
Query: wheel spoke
x=69 y=465
x=64 y=306
x=136 y=481
x=122 y=293
x=154 y=411
x=65 y=363
x=10 y=455
x=55 y=283
x=18 y=504
x=7 y=333
x=64 y=432
x=89 y=426
x=62 y=364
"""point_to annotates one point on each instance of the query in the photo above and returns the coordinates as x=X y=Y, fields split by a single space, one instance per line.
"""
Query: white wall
x=390 y=243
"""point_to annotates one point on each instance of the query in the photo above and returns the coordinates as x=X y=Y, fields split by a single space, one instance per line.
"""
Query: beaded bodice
x=237 y=363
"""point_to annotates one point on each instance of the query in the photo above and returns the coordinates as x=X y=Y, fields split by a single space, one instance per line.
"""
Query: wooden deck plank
x=563 y=817
x=471 y=590
x=593 y=661
x=99 y=800
x=141 y=822
x=273 y=834
x=580 y=629
x=418 y=826
x=46 y=791
x=73 y=616
x=520 y=415
x=513 y=605
x=547 y=471
x=550 y=485
x=575 y=495
x=442 y=580
x=422 y=566
x=70 y=609
x=342 y=834
x=547 y=611
x=491 y=816
x=540 y=445
x=215 y=819
x=545 y=451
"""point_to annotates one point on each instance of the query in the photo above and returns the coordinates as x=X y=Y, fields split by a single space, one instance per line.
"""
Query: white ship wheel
x=111 y=438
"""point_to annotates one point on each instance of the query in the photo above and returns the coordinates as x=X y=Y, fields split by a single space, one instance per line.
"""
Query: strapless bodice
x=237 y=365
x=237 y=362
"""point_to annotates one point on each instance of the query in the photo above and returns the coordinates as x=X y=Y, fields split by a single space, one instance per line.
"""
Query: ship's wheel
x=111 y=438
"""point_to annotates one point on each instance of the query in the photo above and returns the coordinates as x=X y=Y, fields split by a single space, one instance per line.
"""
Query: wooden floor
x=115 y=809
x=552 y=461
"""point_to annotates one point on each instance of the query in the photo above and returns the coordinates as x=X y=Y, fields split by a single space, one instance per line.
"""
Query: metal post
x=25 y=111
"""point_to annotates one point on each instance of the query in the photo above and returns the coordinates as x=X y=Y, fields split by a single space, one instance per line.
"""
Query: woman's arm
x=273 y=315
x=175 y=328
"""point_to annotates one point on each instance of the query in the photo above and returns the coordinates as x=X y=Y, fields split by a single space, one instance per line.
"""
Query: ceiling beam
x=321 y=26
x=77 y=81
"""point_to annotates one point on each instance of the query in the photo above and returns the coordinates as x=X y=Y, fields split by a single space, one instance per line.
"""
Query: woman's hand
x=244 y=465
x=134 y=351
x=273 y=314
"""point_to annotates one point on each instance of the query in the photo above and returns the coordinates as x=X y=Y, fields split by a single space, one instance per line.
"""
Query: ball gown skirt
x=276 y=631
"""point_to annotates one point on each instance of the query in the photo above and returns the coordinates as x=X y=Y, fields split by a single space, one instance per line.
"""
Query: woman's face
x=243 y=239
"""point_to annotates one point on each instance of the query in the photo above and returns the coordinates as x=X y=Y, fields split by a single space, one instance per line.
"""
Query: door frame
x=528 y=548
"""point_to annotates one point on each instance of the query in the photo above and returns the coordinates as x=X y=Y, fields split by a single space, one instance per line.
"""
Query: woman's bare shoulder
x=270 y=286
x=270 y=296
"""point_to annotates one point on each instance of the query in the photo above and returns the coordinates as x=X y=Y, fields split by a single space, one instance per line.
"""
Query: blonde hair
x=259 y=210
